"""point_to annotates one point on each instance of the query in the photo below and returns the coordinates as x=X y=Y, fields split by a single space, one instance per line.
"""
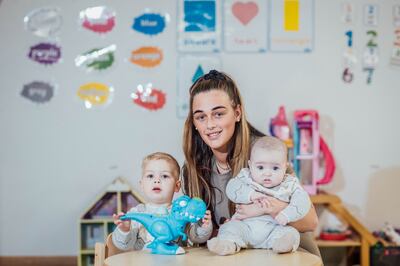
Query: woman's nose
x=210 y=124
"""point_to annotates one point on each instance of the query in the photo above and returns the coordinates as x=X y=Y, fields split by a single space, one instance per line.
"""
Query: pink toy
x=308 y=146
x=279 y=127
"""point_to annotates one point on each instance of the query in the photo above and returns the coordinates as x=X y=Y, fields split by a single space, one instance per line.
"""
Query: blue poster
x=199 y=26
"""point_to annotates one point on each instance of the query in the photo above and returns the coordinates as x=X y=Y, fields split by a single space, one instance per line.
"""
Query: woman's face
x=215 y=118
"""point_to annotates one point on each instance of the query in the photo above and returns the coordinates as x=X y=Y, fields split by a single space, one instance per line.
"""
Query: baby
x=159 y=182
x=266 y=176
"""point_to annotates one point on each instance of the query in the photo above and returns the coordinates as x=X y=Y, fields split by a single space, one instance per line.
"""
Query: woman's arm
x=272 y=206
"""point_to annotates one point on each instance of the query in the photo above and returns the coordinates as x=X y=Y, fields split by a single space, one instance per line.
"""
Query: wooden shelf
x=351 y=242
x=364 y=239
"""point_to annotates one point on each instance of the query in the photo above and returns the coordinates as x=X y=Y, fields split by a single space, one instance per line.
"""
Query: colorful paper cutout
x=149 y=24
x=95 y=94
x=44 y=21
x=147 y=56
x=149 y=97
x=45 y=53
x=97 y=59
x=245 y=12
x=38 y=91
x=99 y=19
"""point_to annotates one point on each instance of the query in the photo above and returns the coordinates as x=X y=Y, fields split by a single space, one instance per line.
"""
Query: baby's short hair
x=270 y=143
x=173 y=163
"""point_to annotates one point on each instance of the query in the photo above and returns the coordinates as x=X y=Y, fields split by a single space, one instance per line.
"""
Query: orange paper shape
x=147 y=56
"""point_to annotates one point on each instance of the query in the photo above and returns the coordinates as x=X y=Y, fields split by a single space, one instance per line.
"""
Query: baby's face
x=158 y=182
x=267 y=168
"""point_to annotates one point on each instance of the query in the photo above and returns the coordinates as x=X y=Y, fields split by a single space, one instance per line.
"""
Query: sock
x=222 y=246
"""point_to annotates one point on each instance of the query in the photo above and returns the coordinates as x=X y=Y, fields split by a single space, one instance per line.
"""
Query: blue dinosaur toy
x=167 y=228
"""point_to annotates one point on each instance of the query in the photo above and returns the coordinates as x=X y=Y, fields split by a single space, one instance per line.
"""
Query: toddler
x=159 y=182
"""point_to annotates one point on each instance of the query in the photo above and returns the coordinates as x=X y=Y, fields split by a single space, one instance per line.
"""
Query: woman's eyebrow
x=213 y=109
x=218 y=107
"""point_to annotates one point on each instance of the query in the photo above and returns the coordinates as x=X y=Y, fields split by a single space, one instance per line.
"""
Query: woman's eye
x=218 y=114
x=200 y=117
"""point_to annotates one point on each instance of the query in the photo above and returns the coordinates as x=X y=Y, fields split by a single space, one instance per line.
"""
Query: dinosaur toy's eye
x=182 y=203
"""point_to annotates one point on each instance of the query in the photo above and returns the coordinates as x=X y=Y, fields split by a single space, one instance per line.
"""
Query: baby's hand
x=281 y=219
x=206 y=222
x=124 y=226
x=256 y=196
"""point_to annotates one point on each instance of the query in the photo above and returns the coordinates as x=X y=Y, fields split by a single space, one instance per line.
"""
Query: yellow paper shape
x=94 y=93
x=291 y=15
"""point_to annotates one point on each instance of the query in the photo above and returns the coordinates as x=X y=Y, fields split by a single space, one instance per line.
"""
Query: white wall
x=56 y=158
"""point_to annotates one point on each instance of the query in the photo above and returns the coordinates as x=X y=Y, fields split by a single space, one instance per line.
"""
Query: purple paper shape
x=38 y=91
x=45 y=53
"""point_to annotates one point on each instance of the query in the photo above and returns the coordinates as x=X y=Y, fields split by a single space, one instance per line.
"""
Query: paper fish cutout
x=149 y=23
x=149 y=98
x=94 y=94
x=147 y=56
x=45 y=53
x=99 y=19
x=38 y=91
x=44 y=21
x=245 y=12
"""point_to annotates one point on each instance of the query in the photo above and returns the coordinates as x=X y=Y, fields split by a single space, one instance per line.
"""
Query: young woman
x=216 y=142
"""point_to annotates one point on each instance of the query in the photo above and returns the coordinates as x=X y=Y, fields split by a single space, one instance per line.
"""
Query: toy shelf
x=363 y=240
x=97 y=223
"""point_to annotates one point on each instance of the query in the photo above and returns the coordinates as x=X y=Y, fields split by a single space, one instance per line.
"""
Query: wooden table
x=202 y=257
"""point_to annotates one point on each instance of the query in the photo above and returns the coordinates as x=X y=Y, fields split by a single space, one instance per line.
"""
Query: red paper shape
x=245 y=12
x=153 y=101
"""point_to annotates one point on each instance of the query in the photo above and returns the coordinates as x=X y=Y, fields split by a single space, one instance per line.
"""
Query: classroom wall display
x=291 y=26
x=189 y=70
x=370 y=56
x=199 y=26
x=45 y=53
x=44 y=21
x=95 y=94
x=245 y=26
x=98 y=19
x=96 y=59
x=148 y=97
x=395 y=57
x=150 y=23
x=38 y=91
x=147 y=56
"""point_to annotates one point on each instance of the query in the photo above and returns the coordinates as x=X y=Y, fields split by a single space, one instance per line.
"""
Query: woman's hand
x=266 y=205
x=124 y=226
x=206 y=222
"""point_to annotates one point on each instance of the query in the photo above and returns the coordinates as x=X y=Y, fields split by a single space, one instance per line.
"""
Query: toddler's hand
x=281 y=219
x=206 y=222
x=256 y=196
x=124 y=226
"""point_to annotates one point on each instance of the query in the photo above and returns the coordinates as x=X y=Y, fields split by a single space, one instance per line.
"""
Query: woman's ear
x=238 y=113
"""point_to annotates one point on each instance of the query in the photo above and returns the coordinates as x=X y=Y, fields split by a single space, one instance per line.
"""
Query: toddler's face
x=158 y=182
x=267 y=168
